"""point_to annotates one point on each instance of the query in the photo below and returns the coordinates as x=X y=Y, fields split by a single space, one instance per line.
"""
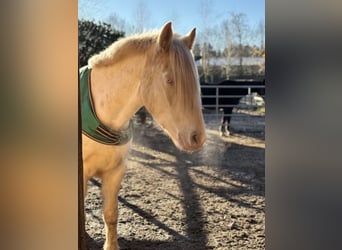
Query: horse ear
x=190 y=38
x=165 y=36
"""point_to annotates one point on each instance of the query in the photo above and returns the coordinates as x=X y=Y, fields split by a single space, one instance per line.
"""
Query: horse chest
x=99 y=158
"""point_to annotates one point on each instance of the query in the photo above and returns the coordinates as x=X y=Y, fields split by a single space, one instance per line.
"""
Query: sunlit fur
x=123 y=47
x=155 y=70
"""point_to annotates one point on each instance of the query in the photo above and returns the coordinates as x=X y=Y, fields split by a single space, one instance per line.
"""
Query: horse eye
x=169 y=81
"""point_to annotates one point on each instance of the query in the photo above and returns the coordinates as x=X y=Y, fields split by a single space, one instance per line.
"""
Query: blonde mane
x=123 y=46
x=119 y=48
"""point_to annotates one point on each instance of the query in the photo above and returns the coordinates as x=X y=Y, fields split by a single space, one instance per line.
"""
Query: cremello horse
x=155 y=70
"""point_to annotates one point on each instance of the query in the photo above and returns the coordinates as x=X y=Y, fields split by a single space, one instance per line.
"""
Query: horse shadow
x=218 y=154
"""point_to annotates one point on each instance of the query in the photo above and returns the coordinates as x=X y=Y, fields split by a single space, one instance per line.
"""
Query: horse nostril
x=194 y=138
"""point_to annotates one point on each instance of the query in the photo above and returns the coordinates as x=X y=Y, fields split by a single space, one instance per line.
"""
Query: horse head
x=170 y=89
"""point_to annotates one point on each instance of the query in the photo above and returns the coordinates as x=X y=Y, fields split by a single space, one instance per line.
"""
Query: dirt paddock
x=211 y=199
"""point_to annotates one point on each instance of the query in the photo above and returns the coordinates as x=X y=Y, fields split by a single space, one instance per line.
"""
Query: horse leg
x=221 y=127
x=227 y=118
x=227 y=126
x=110 y=189
x=224 y=126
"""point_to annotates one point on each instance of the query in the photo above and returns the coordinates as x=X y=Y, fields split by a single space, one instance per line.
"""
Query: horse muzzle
x=191 y=141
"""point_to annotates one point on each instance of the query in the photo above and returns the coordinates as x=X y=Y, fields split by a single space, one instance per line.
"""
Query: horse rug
x=91 y=125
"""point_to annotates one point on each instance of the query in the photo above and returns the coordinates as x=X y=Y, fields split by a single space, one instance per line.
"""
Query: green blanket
x=91 y=126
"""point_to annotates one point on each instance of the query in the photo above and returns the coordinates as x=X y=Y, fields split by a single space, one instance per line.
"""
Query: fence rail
x=217 y=106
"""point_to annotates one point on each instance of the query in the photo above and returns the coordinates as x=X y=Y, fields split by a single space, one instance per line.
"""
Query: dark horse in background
x=229 y=96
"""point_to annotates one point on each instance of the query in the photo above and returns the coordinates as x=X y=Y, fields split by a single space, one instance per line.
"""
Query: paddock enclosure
x=228 y=95
x=210 y=199
x=225 y=96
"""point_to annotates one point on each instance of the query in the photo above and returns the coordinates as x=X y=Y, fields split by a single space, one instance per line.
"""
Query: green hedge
x=93 y=38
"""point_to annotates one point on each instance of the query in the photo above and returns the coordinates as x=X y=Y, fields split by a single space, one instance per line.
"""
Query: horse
x=154 y=70
x=230 y=97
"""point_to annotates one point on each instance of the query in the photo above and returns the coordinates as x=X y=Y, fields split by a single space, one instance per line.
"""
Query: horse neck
x=115 y=91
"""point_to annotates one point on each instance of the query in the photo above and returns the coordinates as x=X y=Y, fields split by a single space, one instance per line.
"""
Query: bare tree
x=240 y=30
x=260 y=52
x=197 y=50
x=261 y=33
x=141 y=16
x=228 y=44
x=205 y=11
x=117 y=22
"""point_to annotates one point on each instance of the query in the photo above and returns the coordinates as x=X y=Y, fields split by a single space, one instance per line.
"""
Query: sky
x=184 y=14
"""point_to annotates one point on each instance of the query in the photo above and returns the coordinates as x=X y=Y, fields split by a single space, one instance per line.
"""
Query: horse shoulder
x=99 y=158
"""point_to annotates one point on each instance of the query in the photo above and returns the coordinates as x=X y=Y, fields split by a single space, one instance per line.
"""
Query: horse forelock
x=185 y=75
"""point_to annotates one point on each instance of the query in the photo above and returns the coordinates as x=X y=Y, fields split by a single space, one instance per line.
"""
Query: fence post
x=217 y=100
x=81 y=218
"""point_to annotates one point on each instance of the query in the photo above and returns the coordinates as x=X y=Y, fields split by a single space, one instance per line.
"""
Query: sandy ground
x=211 y=199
